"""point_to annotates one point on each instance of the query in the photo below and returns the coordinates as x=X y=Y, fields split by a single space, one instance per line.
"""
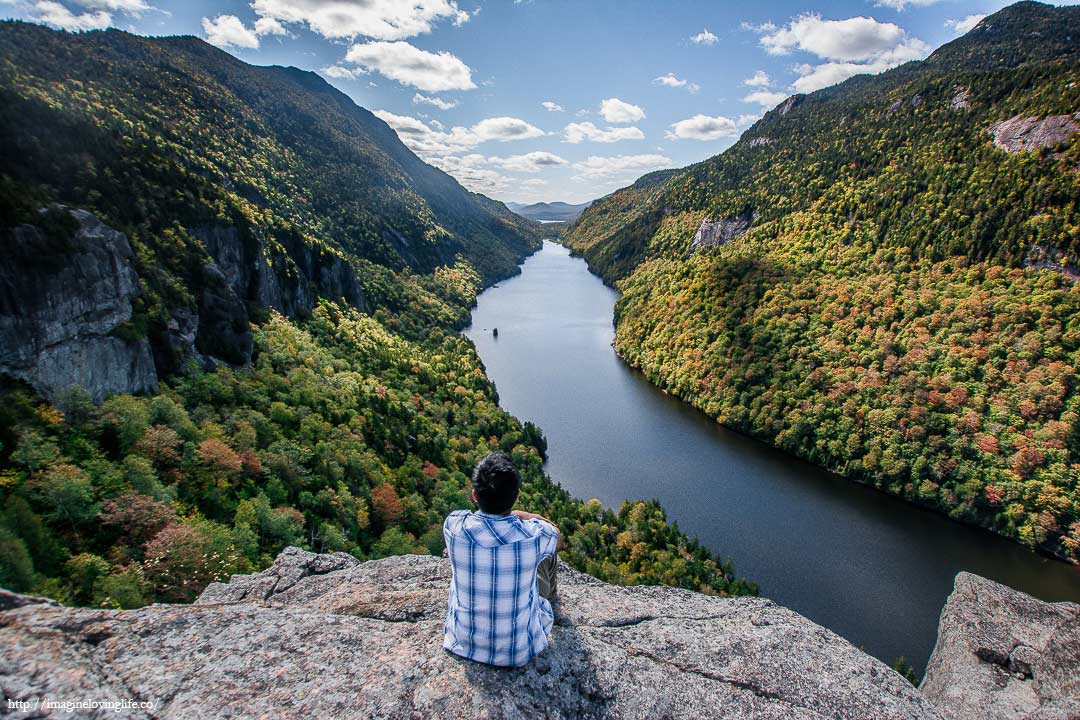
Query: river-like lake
x=868 y=566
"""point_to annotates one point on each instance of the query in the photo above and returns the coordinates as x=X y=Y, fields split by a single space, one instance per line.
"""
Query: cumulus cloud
x=704 y=38
x=758 y=79
x=901 y=5
x=505 y=129
x=964 y=24
x=669 y=80
x=848 y=47
x=857 y=38
x=269 y=26
x=575 y=133
x=552 y=106
x=341 y=73
x=377 y=19
x=55 y=14
x=620 y=166
x=615 y=110
x=429 y=141
x=471 y=171
x=702 y=127
x=476 y=171
x=409 y=65
x=421 y=99
x=131 y=6
x=229 y=31
x=532 y=162
x=748 y=119
x=766 y=98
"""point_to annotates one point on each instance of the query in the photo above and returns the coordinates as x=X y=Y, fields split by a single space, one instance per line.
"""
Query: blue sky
x=552 y=99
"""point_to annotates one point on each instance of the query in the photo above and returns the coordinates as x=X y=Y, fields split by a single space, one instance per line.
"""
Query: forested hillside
x=880 y=277
x=301 y=279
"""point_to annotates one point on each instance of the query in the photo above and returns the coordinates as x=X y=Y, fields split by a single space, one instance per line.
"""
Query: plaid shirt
x=496 y=615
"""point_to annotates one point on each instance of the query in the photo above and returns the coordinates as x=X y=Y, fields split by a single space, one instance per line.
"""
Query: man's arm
x=533 y=516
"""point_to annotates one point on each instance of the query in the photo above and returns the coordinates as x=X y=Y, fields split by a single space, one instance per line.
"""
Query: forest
x=902 y=310
x=347 y=428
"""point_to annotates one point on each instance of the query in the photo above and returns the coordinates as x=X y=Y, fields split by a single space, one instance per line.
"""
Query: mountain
x=880 y=276
x=229 y=312
x=551 y=212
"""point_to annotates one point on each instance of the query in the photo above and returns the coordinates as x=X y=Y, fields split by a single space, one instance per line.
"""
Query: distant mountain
x=880 y=277
x=555 y=211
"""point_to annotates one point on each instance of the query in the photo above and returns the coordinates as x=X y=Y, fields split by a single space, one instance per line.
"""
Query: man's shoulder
x=456 y=518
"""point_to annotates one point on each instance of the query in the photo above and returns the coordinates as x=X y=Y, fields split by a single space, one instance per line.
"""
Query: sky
x=543 y=100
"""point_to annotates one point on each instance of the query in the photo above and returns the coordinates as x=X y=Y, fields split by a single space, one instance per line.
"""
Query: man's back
x=496 y=614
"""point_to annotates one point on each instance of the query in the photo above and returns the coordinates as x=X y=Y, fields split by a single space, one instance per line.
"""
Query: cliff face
x=63 y=297
x=326 y=635
x=1003 y=654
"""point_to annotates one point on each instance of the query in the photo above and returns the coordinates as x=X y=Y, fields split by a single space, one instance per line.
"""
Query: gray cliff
x=68 y=284
x=1003 y=654
x=325 y=636
x=328 y=636
x=63 y=297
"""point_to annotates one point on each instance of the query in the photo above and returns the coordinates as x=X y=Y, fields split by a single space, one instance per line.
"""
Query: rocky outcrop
x=1031 y=134
x=66 y=291
x=1003 y=654
x=325 y=636
x=714 y=233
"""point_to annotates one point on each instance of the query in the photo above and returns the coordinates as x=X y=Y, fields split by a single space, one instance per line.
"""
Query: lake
x=870 y=567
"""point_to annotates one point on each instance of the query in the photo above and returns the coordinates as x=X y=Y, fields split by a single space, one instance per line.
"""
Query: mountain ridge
x=858 y=255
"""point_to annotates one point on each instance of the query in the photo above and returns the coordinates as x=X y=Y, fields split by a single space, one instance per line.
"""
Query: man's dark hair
x=496 y=483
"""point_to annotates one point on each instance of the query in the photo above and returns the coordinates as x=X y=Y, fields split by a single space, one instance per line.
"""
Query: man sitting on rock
x=504 y=566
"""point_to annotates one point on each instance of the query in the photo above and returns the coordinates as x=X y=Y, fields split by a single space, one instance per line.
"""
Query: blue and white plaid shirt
x=496 y=615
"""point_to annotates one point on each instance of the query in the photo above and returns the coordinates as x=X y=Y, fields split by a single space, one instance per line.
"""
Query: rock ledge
x=324 y=635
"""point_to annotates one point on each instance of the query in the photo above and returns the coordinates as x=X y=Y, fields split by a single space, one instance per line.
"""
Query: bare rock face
x=714 y=233
x=1003 y=654
x=323 y=636
x=1019 y=134
x=63 y=296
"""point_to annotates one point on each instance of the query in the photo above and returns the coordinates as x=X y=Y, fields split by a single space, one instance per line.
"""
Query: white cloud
x=857 y=38
x=55 y=14
x=758 y=79
x=469 y=170
x=575 y=133
x=704 y=38
x=130 y=6
x=341 y=73
x=702 y=127
x=766 y=98
x=849 y=47
x=532 y=162
x=669 y=80
x=429 y=142
x=965 y=24
x=552 y=106
x=901 y=5
x=269 y=26
x=620 y=166
x=615 y=110
x=409 y=65
x=378 y=19
x=505 y=129
x=815 y=77
x=747 y=119
x=421 y=99
x=229 y=31
x=534 y=182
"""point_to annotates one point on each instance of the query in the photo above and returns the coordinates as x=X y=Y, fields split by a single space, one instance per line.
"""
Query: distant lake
x=870 y=567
